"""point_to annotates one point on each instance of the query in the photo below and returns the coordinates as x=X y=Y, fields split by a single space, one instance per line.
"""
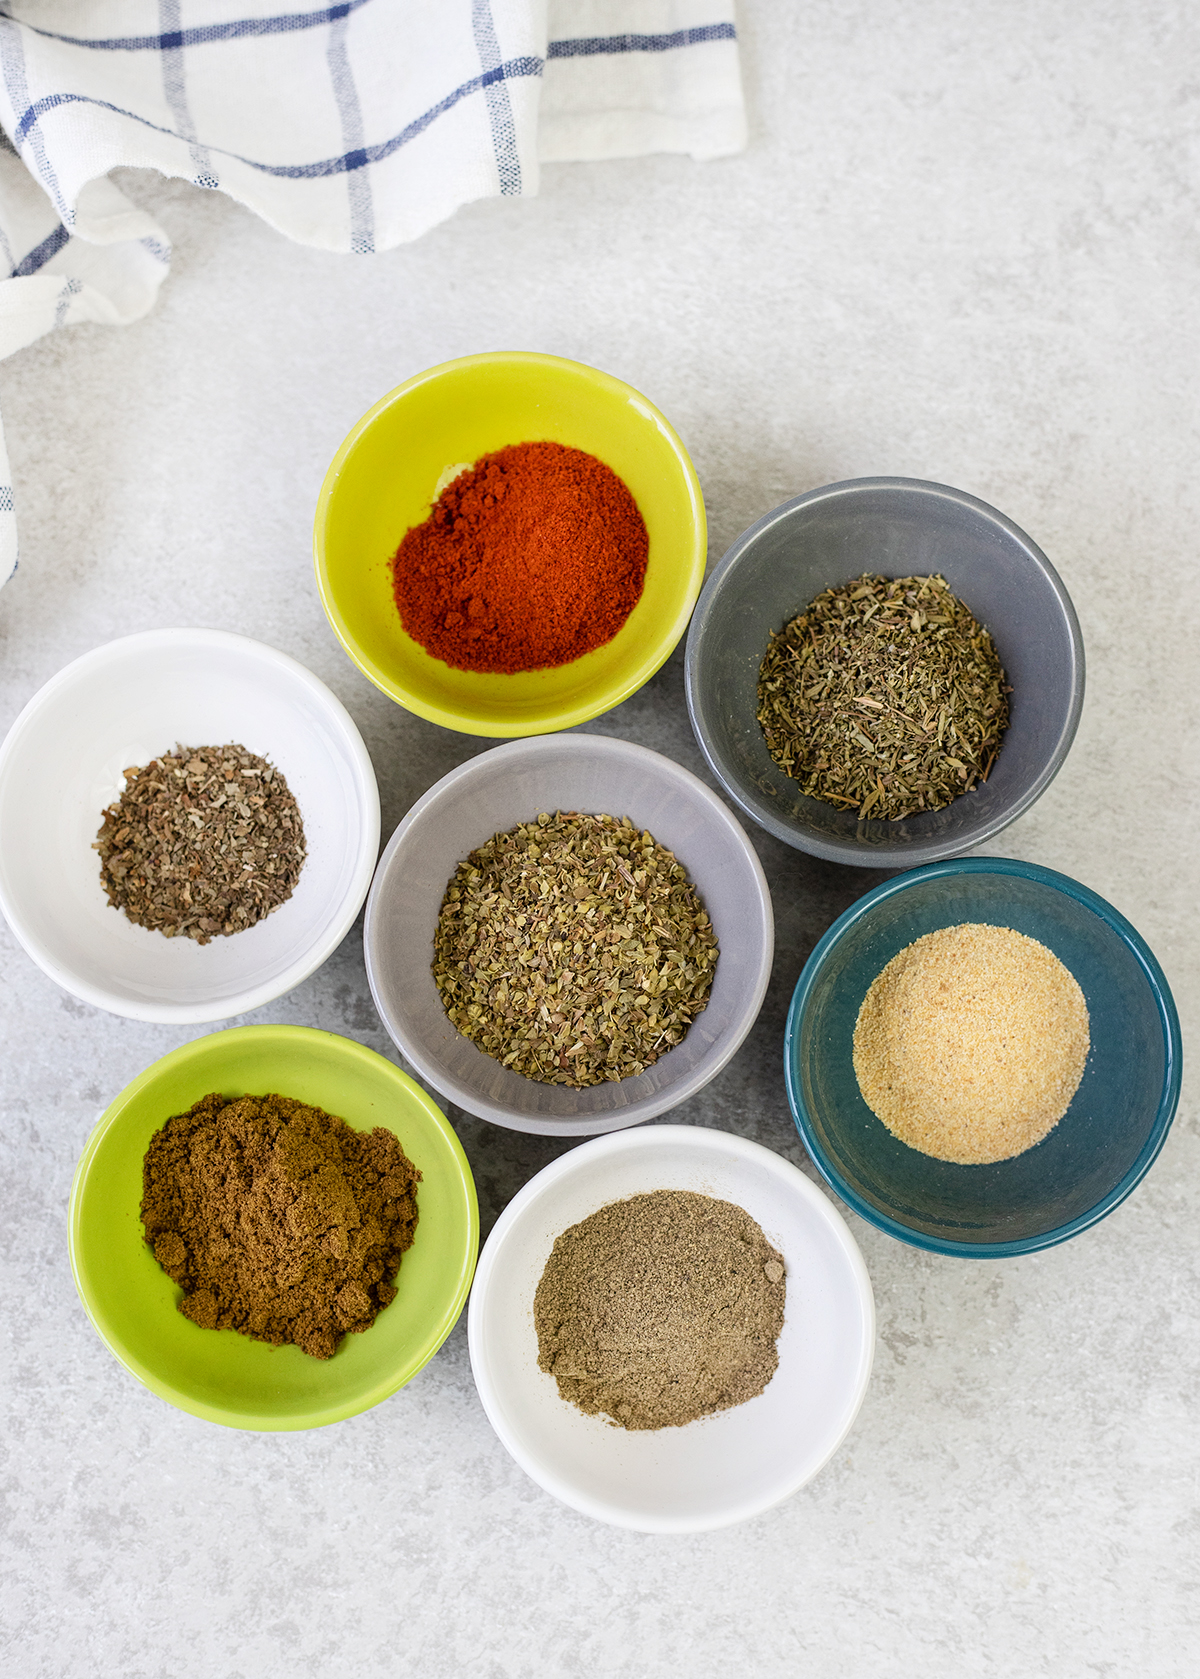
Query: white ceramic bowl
x=123 y=704
x=512 y=784
x=720 y=1469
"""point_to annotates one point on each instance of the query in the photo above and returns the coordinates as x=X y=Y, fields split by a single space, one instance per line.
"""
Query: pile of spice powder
x=205 y=840
x=971 y=1043
x=530 y=558
x=277 y=1219
x=884 y=696
x=573 y=949
x=660 y=1309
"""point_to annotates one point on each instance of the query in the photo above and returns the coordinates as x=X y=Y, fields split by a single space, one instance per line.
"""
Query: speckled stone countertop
x=961 y=246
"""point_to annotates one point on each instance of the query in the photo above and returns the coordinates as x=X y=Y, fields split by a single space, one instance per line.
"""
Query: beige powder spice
x=660 y=1309
x=971 y=1043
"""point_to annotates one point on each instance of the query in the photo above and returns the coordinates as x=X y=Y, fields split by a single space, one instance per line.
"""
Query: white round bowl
x=721 y=1469
x=493 y=793
x=62 y=764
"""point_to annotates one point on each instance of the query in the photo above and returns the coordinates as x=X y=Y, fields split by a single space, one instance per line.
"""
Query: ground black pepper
x=660 y=1309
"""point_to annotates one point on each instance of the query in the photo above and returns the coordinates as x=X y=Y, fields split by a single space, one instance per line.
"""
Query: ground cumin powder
x=971 y=1043
x=660 y=1309
x=278 y=1220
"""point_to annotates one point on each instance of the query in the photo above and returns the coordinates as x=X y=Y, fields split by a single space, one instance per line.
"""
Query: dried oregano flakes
x=885 y=697
x=573 y=949
x=205 y=840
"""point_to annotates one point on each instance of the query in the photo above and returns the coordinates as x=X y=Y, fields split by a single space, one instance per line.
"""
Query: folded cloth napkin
x=354 y=126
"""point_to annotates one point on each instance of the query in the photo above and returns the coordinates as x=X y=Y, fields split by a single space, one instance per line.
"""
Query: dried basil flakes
x=885 y=697
x=204 y=840
x=573 y=949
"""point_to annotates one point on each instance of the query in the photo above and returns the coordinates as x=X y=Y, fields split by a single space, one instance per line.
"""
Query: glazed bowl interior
x=121 y=705
x=493 y=793
x=1097 y=1152
x=896 y=527
x=717 y=1469
x=390 y=469
x=221 y=1375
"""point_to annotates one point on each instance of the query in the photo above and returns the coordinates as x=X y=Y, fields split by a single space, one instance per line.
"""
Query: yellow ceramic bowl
x=218 y=1374
x=387 y=473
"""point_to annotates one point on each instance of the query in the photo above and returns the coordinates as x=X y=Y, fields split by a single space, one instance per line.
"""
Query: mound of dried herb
x=204 y=840
x=573 y=949
x=885 y=697
x=278 y=1220
x=660 y=1309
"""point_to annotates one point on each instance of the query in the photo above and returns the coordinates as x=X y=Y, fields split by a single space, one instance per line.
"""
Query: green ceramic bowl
x=386 y=474
x=220 y=1375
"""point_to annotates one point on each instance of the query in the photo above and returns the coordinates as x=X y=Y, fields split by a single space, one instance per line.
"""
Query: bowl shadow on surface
x=745 y=483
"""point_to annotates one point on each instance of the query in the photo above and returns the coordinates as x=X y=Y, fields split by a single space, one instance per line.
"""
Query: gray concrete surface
x=961 y=246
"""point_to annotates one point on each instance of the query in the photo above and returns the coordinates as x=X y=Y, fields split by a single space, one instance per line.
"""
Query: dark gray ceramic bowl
x=898 y=527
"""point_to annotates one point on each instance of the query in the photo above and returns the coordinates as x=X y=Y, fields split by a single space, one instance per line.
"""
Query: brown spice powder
x=660 y=1309
x=277 y=1219
x=971 y=1043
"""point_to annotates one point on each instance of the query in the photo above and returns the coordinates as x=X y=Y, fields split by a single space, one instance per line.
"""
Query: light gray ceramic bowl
x=495 y=792
x=898 y=527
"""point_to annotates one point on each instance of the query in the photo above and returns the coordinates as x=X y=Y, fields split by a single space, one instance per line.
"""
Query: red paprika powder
x=531 y=558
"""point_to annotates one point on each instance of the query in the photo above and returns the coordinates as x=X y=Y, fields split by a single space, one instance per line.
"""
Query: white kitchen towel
x=354 y=126
x=627 y=77
x=55 y=279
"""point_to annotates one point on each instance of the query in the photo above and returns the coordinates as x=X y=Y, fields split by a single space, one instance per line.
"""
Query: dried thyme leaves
x=885 y=697
x=573 y=949
x=204 y=840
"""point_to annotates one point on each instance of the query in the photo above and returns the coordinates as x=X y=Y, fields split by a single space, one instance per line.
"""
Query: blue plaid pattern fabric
x=354 y=126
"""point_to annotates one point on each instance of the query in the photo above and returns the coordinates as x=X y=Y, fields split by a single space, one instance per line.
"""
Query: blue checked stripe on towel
x=183 y=49
x=351 y=127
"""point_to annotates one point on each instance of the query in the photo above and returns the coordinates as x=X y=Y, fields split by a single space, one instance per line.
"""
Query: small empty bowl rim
x=887 y=856
x=1163 y=1000
x=237 y=1002
x=600 y=1123
x=552 y=718
x=683 y=1137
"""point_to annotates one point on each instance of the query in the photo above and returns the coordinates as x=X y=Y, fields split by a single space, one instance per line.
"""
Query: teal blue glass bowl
x=1098 y=1152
